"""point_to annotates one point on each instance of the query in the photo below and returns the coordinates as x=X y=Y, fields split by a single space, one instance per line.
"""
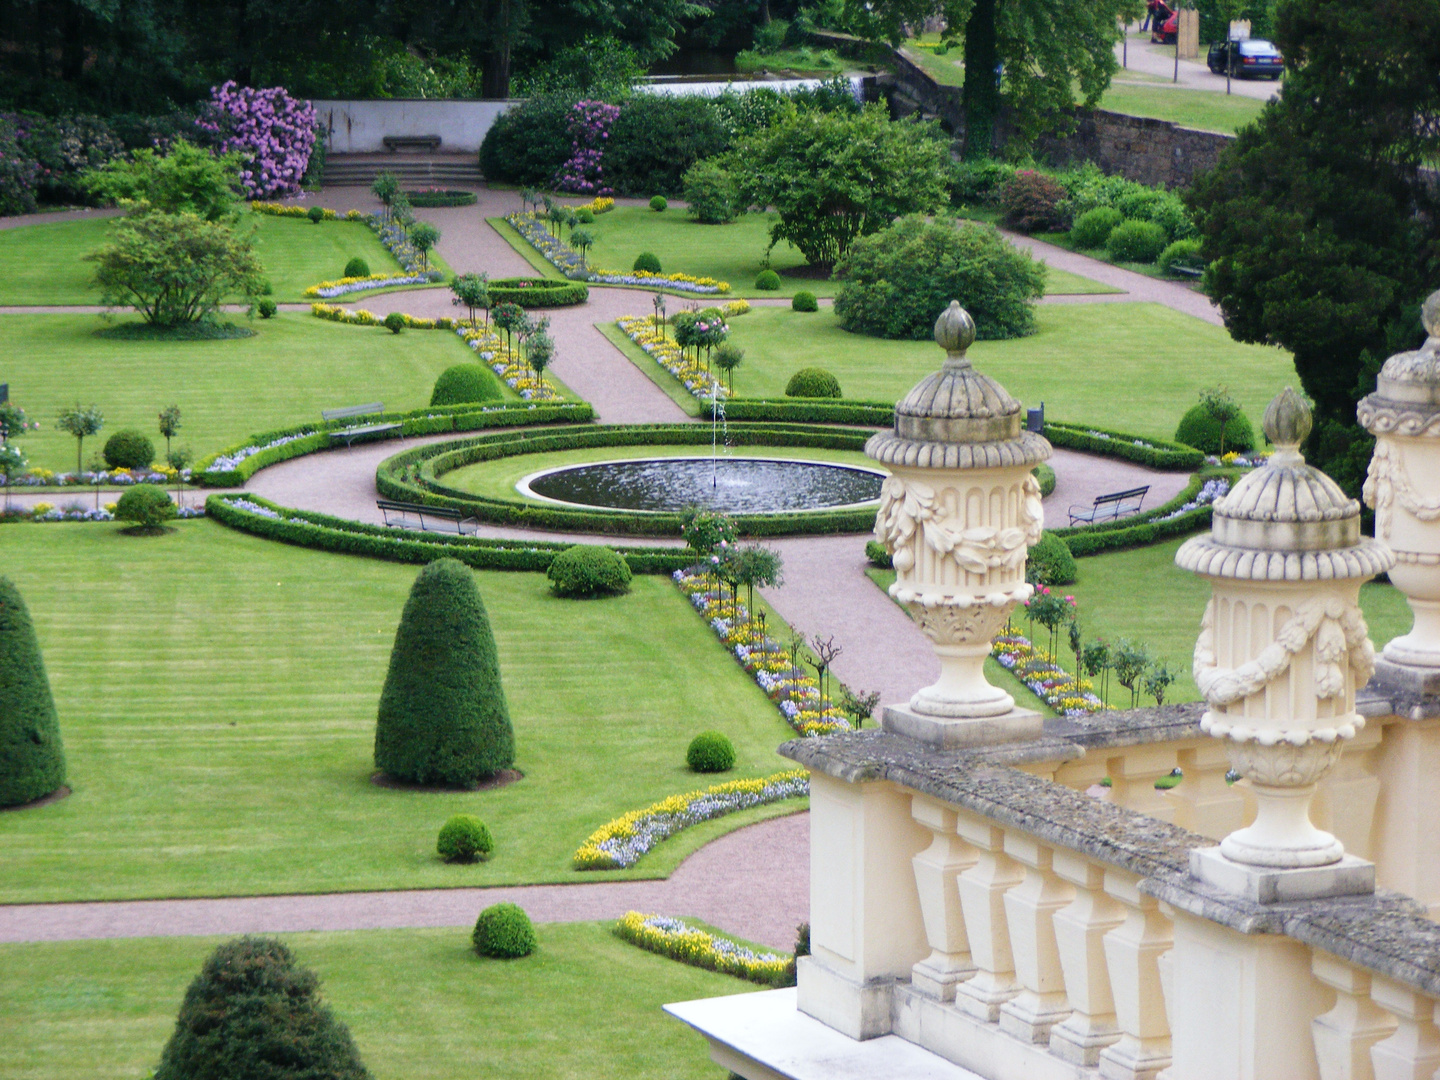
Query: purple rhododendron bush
x=278 y=131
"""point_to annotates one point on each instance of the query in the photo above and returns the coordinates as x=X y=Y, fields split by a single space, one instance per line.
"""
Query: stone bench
x=425 y=143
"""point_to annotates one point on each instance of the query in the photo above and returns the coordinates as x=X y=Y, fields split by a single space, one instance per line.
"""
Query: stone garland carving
x=906 y=506
x=1341 y=639
x=1397 y=419
x=950 y=623
x=1386 y=484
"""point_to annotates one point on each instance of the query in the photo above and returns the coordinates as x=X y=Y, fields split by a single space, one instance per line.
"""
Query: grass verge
x=1207 y=110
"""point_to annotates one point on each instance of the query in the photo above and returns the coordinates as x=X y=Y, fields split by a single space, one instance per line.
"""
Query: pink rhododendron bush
x=276 y=130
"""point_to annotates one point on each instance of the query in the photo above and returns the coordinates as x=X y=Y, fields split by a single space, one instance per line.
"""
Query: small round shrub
x=1092 y=228
x=1200 y=430
x=658 y=203
x=316 y=215
x=1046 y=475
x=1050 y=562
x=1182 y=253
x=710 y=751
x=266 y=308
x=647 y=263
x=464 y=838
x=1031 y=201
x=1136 y=241
x=589 y=570
x=813 y=382
x=804 y=301
x=357 y=267
x=767 y=281
x=504 y=931
x=710 y=194
x=463 y=384
x=128 y=449
x=978 y=181
x=585 y=216
x=876 y=554
x=147 y=506
x=394 y=322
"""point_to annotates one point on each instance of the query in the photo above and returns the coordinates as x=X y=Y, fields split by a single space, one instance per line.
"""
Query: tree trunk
x=982 y=81
x=495 y=77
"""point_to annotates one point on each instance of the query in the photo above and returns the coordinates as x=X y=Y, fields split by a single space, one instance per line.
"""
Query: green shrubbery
x=1200 y=429
x=659 y=203
x=655 y=140
x=128 y=449
x=767 y=281
x=504 y=931
x=147 y=506
x=647 y=262
x=32 y=758
x=1032 y=202
x=394 y=322
x=357 y=267
x=464 y=838
x=711 y=194
x=1182 y=253
x=266 y=309
x=895 y=283
x=589 y=570
x=709 y=752
x=1087 y=188
x=877 y=555
x=1093 y=228
x=1050 y=562
x=1136 y=241
x=812 y=382
x=537 y=292
x=979 y=181
x=443 y=717
x=1045 y=476
x=463 y=384
x=804 y=300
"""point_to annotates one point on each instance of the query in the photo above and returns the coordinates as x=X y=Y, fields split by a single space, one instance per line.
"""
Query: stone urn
x=1283 y=645
x=1404 y=416
x=957 y=514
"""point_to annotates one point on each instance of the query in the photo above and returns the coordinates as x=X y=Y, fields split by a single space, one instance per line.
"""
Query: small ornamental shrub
x=813 y=382
x=443 y=717
x=1050 y=562
x=589 y=570
x=253 y=1014
x=1092 y=228
x=711 y=194
x=877 y=555
x=1031 y=201
x=266 y=309
x=1181 y=254
x=584 y=216
x=979 y=181
x=804 y=301
x=128 y=449
x=394 y=322
x=504 y=931
x=647 y=263
x=1136 y=241
x=464 y=838
x=1045 y=475
x=463 y=384
x=148 y=506
x=357 y=267
x=658 y=203
x=710 y=751
x=32 y=759
x=1198 y=428
x=767 y=281
x=316 y=214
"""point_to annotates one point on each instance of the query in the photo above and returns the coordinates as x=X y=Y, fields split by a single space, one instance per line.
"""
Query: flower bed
x=391 y=234
x=537 y=292
x=119 y=477
x=601 y=204
x=700 y=948
x=620 y=843
x=508 y=364
x=46 y=512
x=795 y=692
x=342 y=286
x=361 y=317
x=662 y=349
x=1046 y=679
x=427 y=197
x=1214 y=488
x=570 y=263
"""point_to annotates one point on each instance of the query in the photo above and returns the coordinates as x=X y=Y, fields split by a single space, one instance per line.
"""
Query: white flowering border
x=570 y=263
x=1214 y=488
x=677 y=940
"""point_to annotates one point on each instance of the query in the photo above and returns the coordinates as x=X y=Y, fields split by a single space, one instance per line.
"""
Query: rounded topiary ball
x=394 y=322
x=464 y=838
x=357 y=267
x=504 y=931
x=1050 y=562
x=589 y=570
x=657 y=203
x=804 y=301
x=813 y=382
x=1200 y=430
x=266 y=308
x=316 y=214
x=464 y=384
x=647 y=263
x=767 y=281
x=1093 y=228
x=129 y=449
x=1136 y=241
x=146 y=505
x=710 y=751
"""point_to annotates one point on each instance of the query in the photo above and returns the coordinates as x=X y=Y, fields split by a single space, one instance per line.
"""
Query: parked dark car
x=1255 y=57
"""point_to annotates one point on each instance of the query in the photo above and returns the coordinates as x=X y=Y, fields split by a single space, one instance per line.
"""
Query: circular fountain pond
x=734 y=485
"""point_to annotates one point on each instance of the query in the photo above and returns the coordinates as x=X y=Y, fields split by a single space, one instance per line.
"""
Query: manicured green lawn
x=45 y=264
x=1208 y=110
x=1131 y=367
x=419 y=1003
x=217 y=698
x=946 y=70
x=293 y=367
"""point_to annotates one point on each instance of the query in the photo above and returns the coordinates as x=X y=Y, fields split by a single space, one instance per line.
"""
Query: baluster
x=1132 y=952
x=1413 y=1051
x=936 y=870
x=982 y=891
x=1133 y=776
x=1204 y=802
x=1030 y=910
x=1344 y=1035
x=1080 y=929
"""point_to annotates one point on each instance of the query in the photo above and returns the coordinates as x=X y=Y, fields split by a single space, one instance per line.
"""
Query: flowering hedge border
x=328 y=290
x=677 y=940
x=38 y=477
x=661 y=348
x=1155 y=453
x=620 y=843
x=1067 y=694
x=570 y=263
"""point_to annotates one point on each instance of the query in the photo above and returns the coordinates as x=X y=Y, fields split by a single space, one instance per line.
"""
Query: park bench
x=427 y=143
x=1117 y=504
x=1186 y=271
x=350 y=434
x=404 y=511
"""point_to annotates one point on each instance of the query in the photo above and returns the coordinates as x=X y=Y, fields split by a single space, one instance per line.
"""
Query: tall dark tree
x=32 y=759
x=1319 y=224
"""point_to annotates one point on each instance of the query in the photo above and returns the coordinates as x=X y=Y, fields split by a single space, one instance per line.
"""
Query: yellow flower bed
x=662 y=348
x=736 y=307
x=275 y=209
x=601 y=204
x=699 y=948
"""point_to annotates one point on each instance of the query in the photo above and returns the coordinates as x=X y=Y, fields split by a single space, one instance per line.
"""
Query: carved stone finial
x=1287 y=422
x=955 y=332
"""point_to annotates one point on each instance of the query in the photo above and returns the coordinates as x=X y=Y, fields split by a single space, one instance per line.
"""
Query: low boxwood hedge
x=811 y=411
x=440 y=198
x=538 y=292
x=1144 y=528
x=1158 y=454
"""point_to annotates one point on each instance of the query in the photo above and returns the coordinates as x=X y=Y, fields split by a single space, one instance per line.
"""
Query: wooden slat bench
x=403 y=513
x=427 y=143
x=1117 y=504
x=350 y=434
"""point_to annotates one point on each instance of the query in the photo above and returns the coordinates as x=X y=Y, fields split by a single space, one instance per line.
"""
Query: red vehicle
x=1165 y=25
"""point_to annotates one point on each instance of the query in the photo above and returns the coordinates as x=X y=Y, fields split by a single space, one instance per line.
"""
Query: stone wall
x=359 y=127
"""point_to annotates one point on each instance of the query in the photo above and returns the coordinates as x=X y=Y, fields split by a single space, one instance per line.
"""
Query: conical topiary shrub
x=251 y=1014
x=443 y=717
x=32 y=759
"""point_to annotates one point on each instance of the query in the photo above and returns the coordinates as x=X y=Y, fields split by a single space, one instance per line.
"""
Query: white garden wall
x=358 y=127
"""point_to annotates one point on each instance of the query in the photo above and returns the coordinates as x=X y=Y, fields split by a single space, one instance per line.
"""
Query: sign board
x=1240 y=30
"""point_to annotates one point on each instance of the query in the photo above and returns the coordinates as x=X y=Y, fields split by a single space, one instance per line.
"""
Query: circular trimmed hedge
x=710 y=751
x=129 y=449
x=813 y=382
x=441 y=198
x=538 y=292
x=464 y=838
x=504 y=931
x=589 y=570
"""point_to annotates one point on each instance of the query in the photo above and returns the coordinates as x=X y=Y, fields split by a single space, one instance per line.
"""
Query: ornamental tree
x=443 y=717
x=385 y=187
x=32 y=759
x=187 y=180
x=471 y=291
x=424 y=236
x=833 y=177
x=169 y=425
x=273 y=130
x=508 y=317
x=80 y=423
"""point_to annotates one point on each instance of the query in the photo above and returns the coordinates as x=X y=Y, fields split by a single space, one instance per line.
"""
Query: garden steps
x=342 y=170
